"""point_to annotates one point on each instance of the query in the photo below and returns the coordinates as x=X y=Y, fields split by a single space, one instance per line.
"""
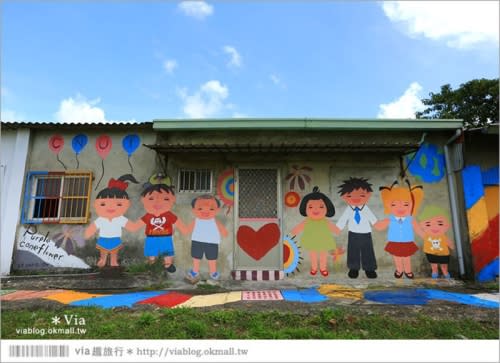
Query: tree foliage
x=476 y=102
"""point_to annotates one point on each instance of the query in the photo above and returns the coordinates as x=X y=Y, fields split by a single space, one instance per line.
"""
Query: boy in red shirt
x=158 y=200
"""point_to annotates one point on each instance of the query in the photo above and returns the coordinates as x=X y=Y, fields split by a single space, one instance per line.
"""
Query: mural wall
x=328 y=217
x=481 y=200
x=69 y=219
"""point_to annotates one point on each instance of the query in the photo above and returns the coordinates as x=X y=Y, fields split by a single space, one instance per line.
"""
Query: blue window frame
x=56 y=197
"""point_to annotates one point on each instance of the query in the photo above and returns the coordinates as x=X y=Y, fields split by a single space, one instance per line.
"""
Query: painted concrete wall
x=115 y=164
x=14 y=151
x=480 y=188
x=325 y=170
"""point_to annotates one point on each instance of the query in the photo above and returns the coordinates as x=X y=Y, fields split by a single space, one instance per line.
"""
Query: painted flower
x=69 y=237
x=299 y=176
x=292 y=199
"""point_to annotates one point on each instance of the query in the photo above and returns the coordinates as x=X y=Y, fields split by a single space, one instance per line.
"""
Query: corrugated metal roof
x=49 y=124
x=392 y=145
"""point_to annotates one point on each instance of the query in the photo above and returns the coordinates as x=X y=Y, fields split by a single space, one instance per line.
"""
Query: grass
x=185 y=323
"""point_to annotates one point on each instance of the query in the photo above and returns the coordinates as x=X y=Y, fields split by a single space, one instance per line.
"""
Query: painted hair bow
x=118 y=184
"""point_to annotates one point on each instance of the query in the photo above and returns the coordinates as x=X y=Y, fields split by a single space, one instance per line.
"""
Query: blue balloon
x=130 y=143
x=79 y=142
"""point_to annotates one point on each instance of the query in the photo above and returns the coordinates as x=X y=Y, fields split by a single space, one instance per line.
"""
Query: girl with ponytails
x=110 y=205
x=401 y=204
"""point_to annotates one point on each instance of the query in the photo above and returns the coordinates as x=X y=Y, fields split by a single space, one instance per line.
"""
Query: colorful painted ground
x=173 y=299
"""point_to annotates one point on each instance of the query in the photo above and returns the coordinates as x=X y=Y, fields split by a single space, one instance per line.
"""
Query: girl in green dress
x=317 y=231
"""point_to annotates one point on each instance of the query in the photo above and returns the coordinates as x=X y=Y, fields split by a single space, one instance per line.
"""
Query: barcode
x=39 y=351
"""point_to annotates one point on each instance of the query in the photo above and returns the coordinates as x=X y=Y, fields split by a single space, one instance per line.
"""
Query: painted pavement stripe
x=339 y=291
x=29 y=294
x=466 y=299
x=68 y=297
x=117 y=300
x=490 y=297
x=307 y=296
x=211 y=300
x=169 y=299
x=5 y=292
x=261 y=295
x=398 y=297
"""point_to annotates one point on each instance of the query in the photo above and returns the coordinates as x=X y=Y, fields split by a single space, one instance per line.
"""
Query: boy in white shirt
x=359 y=218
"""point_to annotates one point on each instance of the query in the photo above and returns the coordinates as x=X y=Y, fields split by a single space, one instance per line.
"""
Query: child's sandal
x=398 y=274
x=324 y=272
x=314 y=272
x=409 y=275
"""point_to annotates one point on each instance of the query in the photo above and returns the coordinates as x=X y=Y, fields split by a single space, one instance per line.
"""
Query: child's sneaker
x=193 y=276
x=215 y=275
x=435 y=275
x=447 y=276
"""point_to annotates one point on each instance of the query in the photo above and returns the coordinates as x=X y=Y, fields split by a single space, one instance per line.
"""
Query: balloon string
x=131 y=168
x=77 y=161
x=102 y=174
x=57 y=157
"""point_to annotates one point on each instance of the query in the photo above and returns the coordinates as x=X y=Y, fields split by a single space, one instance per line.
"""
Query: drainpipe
x=453 y=201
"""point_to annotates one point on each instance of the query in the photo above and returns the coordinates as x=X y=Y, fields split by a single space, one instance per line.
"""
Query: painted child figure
x=433 y=223
x=207 y=233
x=317 y=231
x=110 y=205
x=359 y=218
x=158 y=200
x=402 y=205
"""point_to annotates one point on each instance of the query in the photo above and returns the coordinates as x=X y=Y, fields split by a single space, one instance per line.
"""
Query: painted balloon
x=79 y=142
x=103 y=146
x=130 y=143
x=56 y=144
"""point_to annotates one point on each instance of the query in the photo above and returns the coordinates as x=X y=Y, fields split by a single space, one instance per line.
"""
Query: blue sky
x=108 y=61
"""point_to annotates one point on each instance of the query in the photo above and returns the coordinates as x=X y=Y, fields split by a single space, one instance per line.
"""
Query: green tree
x=476 y=102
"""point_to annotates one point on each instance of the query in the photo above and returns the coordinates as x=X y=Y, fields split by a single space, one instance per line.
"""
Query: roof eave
x=305 y=124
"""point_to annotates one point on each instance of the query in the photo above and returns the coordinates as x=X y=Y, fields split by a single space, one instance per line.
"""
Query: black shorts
x=210 y=250
x=438 y=259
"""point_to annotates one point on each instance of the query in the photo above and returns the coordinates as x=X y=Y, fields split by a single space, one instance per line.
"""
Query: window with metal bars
x=195 y=180
x=56 y=197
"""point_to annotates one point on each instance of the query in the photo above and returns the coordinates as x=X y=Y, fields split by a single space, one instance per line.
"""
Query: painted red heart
x=258 y=243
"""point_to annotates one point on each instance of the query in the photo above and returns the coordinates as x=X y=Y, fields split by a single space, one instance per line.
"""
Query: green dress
x=317 y=236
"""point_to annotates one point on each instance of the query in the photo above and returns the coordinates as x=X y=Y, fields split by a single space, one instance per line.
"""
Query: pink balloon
x=103 y=146
x=56 y=144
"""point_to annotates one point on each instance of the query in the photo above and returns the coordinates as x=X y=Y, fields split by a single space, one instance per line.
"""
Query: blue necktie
x=357 y=216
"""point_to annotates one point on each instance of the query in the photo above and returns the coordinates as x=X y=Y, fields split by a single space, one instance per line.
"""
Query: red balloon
x=56 y=144
x=103 y=146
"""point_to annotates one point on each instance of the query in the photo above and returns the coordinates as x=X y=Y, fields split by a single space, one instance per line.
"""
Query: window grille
x=195 y=180
x=56 y=197
x=258 y=193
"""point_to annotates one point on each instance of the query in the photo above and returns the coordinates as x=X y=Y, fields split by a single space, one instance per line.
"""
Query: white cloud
x=235 y=60
x=462 y=24
x=239 y=115
x=196 y=9
x=277 y=80
x=79 y=110
x=206 y=102
x=405 y=106
x=11 y=115
x=170 y=65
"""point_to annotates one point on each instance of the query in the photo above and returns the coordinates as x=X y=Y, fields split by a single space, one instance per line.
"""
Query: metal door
x=258 y=244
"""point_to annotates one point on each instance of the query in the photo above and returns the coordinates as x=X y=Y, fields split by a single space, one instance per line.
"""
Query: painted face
x=205 y=208
x=401 y=208
x=111 y=207
x=435 y=226
x=316 y=209
x=157 y=203
x=357 y=198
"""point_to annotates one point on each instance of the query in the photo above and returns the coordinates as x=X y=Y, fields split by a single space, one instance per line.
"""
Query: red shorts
x=401 y=249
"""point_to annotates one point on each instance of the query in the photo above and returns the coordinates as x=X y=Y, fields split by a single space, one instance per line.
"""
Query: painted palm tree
x=299 y=176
